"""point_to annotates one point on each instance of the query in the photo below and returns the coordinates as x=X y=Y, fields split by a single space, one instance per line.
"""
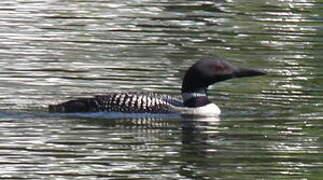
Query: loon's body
x=194 y=94
x=121 y=102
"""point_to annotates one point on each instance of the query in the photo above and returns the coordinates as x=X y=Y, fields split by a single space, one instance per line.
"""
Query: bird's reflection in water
x=198 y=130
x=200 y=142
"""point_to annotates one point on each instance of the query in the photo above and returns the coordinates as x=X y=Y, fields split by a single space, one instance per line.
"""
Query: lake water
x=52 y=51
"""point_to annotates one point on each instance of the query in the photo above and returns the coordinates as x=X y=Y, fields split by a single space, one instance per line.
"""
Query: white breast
x=207 y=110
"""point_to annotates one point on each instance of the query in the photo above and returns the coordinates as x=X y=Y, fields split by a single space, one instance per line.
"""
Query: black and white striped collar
x=199 y=93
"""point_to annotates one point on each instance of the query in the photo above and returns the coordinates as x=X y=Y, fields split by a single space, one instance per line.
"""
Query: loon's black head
x=209 y=71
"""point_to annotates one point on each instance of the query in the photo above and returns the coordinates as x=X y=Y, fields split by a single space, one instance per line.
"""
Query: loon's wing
x=120 y=102
x=137 y=103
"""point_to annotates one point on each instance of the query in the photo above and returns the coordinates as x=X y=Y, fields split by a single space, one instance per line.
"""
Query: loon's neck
x=195 y=98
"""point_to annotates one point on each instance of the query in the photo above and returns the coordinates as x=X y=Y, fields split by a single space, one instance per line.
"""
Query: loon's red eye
x=218 y=68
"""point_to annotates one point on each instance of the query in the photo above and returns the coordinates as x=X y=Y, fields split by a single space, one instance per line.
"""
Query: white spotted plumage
x=133 y=101
x=149 y=102
x=121 y=99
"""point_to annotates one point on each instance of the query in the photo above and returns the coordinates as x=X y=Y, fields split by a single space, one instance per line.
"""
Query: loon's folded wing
x=120 y=102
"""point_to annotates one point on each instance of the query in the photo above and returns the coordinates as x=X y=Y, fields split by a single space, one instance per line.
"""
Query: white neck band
x=188 y=95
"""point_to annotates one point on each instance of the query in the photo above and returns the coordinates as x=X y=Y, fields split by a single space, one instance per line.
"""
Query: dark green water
x=53 y=51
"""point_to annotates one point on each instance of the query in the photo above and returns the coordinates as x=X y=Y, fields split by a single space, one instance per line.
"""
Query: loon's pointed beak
x=244 y=72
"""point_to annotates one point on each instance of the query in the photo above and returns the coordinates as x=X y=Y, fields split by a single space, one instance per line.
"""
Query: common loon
x=194 y=94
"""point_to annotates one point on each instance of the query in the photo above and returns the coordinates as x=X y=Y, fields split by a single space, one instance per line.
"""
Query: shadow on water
x=53 y=51
x=188 y=147
x=182 y=143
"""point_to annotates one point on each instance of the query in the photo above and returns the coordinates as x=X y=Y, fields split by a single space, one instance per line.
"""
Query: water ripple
x=53 y=51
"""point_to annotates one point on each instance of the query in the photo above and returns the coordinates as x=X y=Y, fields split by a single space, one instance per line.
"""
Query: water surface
x=53 y=51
